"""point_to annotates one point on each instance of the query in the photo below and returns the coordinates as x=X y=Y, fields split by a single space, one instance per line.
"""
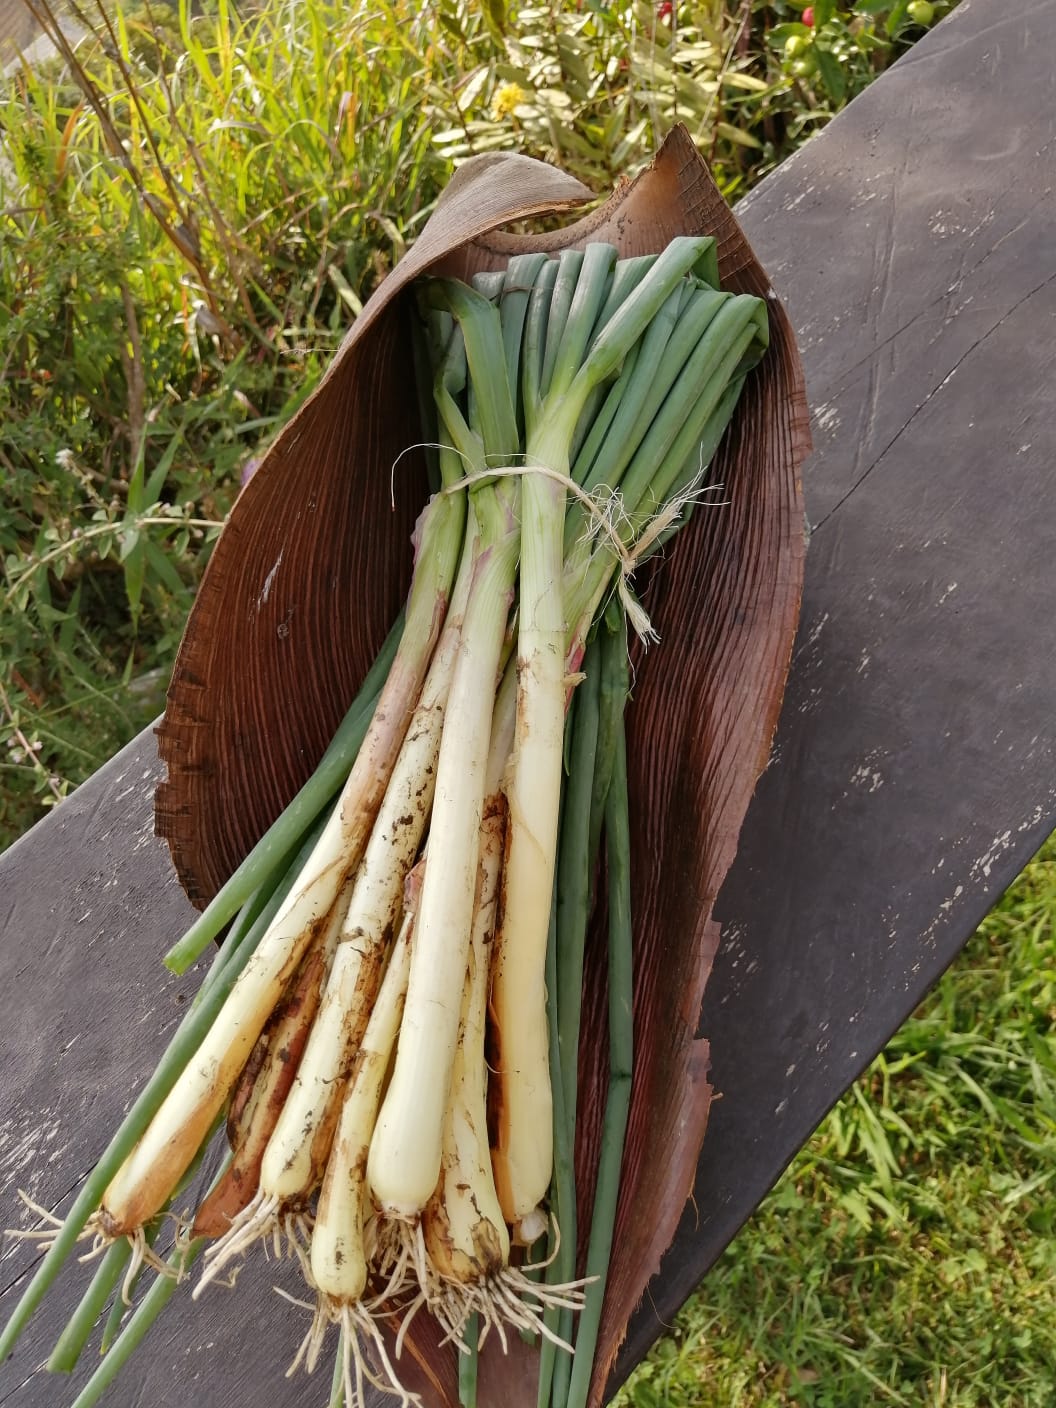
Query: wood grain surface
x=915 y=766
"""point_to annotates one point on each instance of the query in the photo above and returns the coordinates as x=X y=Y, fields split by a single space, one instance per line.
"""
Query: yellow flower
x=508 y=97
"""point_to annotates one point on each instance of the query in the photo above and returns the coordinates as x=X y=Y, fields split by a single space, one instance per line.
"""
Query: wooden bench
x=915 y=767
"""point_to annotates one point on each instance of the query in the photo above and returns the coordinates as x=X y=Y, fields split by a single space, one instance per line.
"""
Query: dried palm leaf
x=312 y=568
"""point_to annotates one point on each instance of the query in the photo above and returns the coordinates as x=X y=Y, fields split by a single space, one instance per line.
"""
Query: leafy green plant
x=193 y=209
x=832 y=51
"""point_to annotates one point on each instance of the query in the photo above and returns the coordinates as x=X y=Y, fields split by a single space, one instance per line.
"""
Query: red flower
x=665 y=10
x=808 y=16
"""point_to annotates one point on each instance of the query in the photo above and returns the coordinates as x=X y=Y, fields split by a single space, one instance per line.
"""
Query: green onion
x=337 y=1383
x=467 y=1366
x=74 y=1337
x=563 y=1186
x=621 y=1042
x=572 y=407
x=142 y=1319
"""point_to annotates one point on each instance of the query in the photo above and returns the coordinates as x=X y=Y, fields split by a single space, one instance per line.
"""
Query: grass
x=908 y=1255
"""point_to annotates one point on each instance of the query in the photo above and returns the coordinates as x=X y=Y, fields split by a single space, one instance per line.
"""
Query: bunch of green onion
x=390 y=1029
